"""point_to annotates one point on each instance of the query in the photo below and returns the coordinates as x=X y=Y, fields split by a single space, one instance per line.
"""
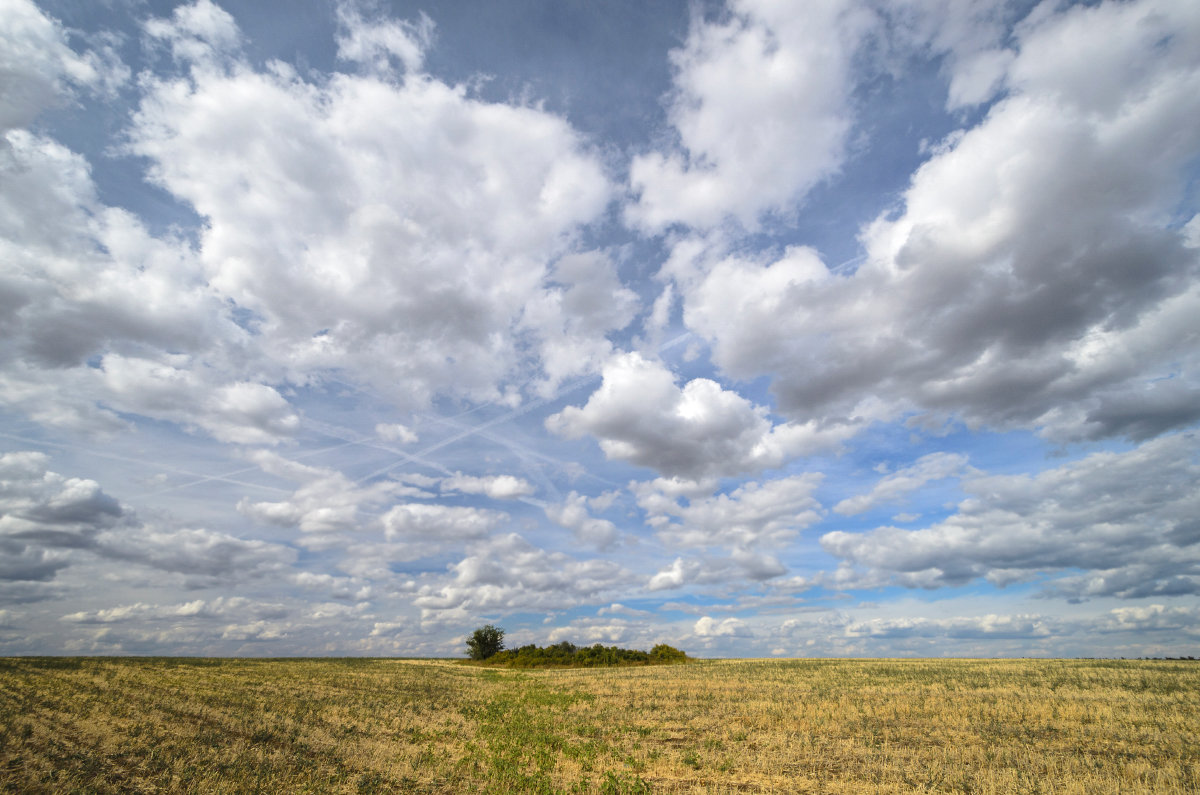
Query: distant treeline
x=566 y=655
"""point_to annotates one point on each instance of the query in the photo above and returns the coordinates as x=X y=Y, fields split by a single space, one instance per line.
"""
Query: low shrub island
x=568 y=655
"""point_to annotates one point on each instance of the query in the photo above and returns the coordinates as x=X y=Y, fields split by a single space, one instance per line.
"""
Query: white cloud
x=767 y=514
x=640 y=415
x=674 y=576
x=740 y=565
x=373 y=232
x=586 y=631
x=967 y=33
x=1154 y=617
x=572 y=513
x=197 y=608
x=498 y=487
x=708 y=627
x=242 y=412
x=373 y=43
x=988 y=626
x=86 y=284
x=616 y=608
x=572 y=316
x=395 y=432
x=508 y=573
x=38 y=66
x=327 y=502
x=761 y=107
x=424 y=522
x=46 y=519
x=197 y=33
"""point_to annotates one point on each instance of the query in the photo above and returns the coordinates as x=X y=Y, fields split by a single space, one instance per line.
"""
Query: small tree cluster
x=485 y=642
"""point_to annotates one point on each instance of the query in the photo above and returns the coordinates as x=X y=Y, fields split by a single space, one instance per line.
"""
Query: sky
x=758 y=328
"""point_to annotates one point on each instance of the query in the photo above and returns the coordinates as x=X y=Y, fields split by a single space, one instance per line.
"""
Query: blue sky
x=761 y=329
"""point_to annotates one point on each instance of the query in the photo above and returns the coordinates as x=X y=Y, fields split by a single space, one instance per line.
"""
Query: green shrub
x=662 y=653
x=568 y=655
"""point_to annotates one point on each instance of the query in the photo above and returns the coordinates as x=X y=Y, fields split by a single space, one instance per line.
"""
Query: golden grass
x=987 y=726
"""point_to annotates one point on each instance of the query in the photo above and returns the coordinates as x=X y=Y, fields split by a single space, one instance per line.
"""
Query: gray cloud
x=45 y=516
x=1128 y=519
x=203 y=557
x=1031 y=277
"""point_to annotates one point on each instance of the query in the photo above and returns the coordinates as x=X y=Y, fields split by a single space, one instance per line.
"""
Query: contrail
x=146 y=463
x=518 y=412
x=349 y=438
x=207 y=478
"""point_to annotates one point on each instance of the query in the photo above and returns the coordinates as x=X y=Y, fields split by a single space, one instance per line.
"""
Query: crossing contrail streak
x=241 y=471
x=511 y=415
x=146 y=463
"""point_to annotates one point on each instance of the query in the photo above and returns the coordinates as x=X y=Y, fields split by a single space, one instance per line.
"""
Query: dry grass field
x=174 y=725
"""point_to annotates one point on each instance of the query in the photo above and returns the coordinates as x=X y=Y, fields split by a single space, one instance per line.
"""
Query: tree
x=485 y=642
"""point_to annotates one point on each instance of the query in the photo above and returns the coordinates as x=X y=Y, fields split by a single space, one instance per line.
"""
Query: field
x=154 y=725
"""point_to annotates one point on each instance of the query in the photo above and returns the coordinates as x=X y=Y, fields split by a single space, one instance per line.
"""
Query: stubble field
x=174 y=725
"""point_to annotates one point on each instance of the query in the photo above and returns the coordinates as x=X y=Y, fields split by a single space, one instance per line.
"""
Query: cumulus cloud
x=241 y=412
x=969 y=302
x=498 y=487
x=1126 y=519
x=584 y=631
x=103 y=316
x=428 y=522
x=756 y=514
x=372 y=232
x=197 y=608
x=327 y=502
x=1180 y=619
x=203 y=557
x=396 y=432
x=45 y=515
x=506 y=572
x=38 y=66
x=375 y=42
x=572 y=513
x=640 y=415
x=968 y=35
x=709 y=627
x=368 y=236
x=761 y=109
x=988 y=626
x=572 y=317
x=741 y=564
